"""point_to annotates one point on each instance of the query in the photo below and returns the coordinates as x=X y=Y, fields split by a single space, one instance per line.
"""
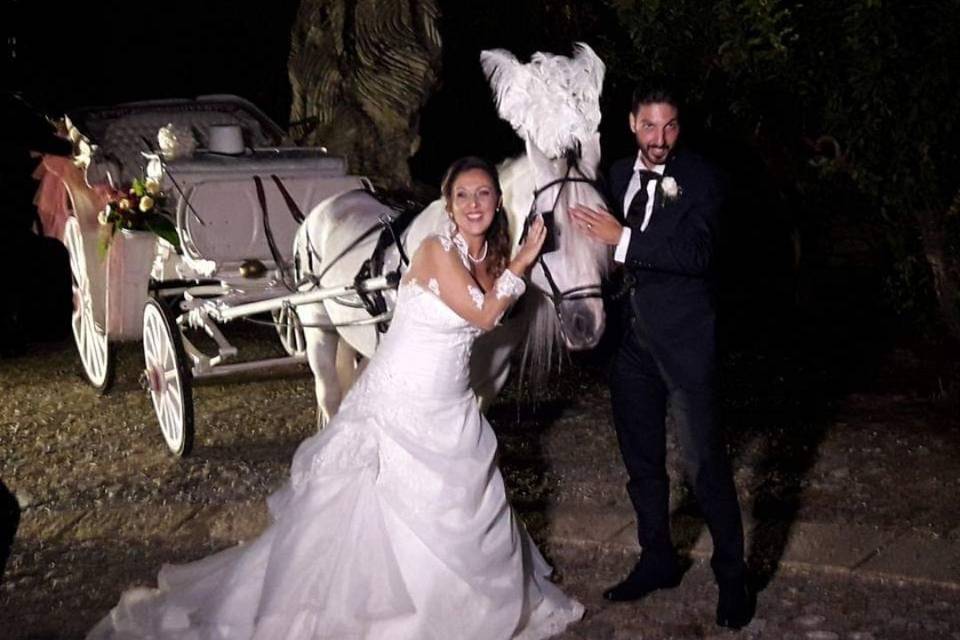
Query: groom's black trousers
x=640 y=389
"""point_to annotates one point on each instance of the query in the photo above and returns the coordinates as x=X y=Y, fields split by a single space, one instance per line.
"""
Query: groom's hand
x=598 y=224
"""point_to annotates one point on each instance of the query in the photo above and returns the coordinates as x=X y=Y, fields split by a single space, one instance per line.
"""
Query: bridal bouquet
x=141 y=207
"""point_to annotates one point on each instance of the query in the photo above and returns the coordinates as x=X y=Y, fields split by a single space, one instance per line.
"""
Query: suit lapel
x=673 y=169
x=662 y=217
x=621 y=180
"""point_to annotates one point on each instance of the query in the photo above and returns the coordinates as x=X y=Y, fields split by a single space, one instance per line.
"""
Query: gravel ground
x=102 y=504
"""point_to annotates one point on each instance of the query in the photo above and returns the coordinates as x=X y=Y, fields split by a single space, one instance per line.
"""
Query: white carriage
x=236 y=216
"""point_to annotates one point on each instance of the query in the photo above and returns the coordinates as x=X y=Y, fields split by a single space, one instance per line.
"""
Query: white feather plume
x=552 y=101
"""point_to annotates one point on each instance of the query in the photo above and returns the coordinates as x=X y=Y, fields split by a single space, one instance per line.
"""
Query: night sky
x=107 y=52
x=112 y=51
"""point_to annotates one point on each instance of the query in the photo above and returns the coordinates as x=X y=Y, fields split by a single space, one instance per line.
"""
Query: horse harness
x=391 y=229
x=556 y=295
x=295 y=213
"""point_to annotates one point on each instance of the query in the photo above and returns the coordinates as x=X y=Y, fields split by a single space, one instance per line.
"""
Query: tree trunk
x=363 y=69
x=944 y=266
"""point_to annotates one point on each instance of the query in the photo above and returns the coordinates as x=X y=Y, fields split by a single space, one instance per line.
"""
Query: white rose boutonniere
x=671 y=190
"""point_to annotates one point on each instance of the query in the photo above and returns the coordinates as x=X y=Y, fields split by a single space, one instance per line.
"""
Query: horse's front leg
x=322 y=341
x=349 y=365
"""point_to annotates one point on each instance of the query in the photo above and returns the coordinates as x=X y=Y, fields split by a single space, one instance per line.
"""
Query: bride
x=394 y=524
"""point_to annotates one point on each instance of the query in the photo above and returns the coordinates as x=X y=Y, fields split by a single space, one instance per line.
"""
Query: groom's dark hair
x=656 y=90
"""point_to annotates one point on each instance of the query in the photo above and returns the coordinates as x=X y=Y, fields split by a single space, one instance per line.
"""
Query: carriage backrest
x=121 y=134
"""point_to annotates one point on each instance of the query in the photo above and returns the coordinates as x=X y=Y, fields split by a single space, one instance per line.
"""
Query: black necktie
x=638 y=205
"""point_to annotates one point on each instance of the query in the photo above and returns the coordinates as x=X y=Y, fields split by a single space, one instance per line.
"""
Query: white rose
x=146 y=203
x=670 y=188
x=152 y=186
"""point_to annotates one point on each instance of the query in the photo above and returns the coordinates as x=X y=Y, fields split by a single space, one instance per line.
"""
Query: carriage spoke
x=93 y=350
x=149 y=347
x=156 y=338
x=171 y=419
x=289 y=330
x=96 y=353
x=85 y=337
x=172 y=398
x=171 y=360
x=173 y=429
x=150 y=341
x=77 y=321
x=162 y=413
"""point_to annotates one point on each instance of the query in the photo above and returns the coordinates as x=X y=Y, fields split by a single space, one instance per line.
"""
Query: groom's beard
x=656 y=154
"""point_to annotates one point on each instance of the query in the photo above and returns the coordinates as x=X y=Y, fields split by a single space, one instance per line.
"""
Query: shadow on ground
x=9 y=522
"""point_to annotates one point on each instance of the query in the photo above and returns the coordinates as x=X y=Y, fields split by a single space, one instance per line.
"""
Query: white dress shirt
x=620 y=254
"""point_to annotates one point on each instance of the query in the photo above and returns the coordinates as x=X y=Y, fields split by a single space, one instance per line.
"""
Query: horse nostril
x=581 y=325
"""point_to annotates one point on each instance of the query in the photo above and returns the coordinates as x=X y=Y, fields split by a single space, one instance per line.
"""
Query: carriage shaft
x=227 y=314
x=221 y=370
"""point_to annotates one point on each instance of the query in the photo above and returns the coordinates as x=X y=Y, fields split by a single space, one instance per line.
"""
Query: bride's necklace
x=482 y=256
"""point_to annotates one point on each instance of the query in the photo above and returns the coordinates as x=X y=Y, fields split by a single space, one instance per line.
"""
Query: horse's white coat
x=336 y=223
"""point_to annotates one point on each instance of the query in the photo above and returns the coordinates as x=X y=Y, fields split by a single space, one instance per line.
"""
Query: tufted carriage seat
x=116 y=137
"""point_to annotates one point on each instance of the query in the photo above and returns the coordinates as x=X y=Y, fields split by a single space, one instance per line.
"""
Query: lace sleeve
x=509 y=285
x=438 y=262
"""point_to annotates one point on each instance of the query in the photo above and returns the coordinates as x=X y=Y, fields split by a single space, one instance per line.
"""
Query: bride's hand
x=530 y=249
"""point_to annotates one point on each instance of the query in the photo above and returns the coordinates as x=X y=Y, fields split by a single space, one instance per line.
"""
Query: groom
x=668 y=199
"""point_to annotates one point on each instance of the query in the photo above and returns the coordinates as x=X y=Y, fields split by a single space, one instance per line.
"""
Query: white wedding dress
x=394 y=524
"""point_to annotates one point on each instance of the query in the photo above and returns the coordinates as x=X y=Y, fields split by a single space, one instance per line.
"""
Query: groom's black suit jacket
x=673 y=265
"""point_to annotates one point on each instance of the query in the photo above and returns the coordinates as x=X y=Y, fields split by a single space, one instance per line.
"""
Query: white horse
x=563 y=307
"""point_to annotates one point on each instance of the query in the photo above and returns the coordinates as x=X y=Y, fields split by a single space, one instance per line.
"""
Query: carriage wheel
x=168 y=377
x=97 y=354
x=290 y=330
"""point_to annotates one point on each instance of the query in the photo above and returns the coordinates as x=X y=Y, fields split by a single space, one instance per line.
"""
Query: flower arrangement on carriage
x=141 y=207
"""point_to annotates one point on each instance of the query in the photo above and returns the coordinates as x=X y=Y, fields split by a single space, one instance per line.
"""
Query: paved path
x=857 y=557
x=874 y=553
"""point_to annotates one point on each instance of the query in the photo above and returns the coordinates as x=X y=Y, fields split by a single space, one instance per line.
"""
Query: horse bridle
x=556 y=295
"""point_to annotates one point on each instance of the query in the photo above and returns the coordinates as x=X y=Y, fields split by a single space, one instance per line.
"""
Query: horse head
x=570 y=270
x=553 y=104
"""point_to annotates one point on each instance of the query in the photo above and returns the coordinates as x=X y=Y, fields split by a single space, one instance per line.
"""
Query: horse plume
x=552 y=101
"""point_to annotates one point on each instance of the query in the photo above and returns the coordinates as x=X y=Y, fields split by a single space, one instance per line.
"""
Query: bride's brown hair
x=498 y=235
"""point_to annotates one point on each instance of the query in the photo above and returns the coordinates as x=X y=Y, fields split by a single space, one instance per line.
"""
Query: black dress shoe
x=642 y=581
x=736 y=605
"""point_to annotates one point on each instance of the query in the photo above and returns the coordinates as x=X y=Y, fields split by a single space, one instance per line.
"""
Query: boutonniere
x=671 y=190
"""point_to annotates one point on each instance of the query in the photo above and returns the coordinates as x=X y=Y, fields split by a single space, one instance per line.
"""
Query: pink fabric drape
x=56 y=175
